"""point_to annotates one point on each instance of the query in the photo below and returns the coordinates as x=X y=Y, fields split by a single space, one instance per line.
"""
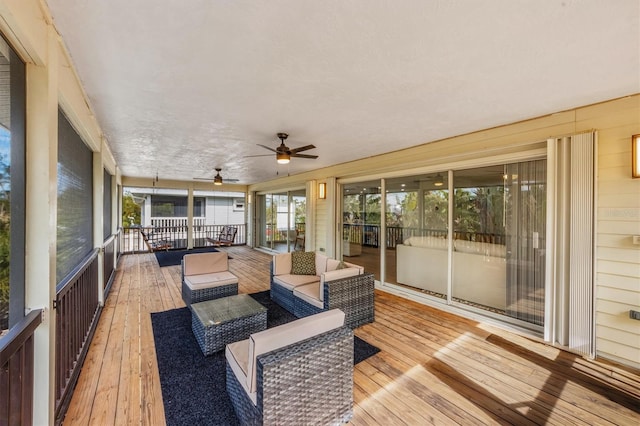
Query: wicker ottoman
x=215 y=323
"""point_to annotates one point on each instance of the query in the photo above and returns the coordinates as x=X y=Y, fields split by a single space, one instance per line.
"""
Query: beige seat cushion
x=198 y=282
x=310 y=294
x=204 y=263
x=290 y=281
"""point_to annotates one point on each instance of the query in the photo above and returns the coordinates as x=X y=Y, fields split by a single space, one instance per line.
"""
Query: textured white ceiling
x=180 y=87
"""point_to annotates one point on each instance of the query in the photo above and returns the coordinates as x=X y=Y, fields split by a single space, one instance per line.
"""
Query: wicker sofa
x=206 y=276
x=349 y=289
x=297 y=373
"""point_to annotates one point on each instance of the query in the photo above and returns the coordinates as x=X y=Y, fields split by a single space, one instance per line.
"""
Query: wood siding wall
x=322 y=222
x=618 y=219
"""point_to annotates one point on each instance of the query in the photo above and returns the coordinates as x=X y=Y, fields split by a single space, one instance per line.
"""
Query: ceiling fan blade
x=302 y=148
x=212 y=179
x=259 y=155
x=304 y=156
x=266 y=147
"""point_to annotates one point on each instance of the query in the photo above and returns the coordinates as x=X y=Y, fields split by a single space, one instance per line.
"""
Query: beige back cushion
x=204 y=263
x=282 y=264
x=321 y=263
x=332 y=264
x=352 y=265
x=287 y=334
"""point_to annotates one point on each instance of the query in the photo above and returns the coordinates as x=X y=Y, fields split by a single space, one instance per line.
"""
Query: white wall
x=220 y=211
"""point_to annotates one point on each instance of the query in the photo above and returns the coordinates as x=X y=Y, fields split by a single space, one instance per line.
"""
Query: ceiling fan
x=217 y=179
x=284 y=153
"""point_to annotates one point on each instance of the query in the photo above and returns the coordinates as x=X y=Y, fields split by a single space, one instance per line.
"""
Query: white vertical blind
x=581 y=241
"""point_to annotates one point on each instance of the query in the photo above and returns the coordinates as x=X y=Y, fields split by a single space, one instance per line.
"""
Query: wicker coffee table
x=215 y=323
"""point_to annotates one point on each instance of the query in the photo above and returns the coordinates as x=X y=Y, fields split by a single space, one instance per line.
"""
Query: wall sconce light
x=635 y=156
x=322 y=190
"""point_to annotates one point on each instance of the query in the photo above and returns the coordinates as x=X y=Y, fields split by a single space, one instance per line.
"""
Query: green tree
x=436 y=209
x=352 y=208
x=300 y=209
x=131 y=211
x=372 y=209
x=479 y=210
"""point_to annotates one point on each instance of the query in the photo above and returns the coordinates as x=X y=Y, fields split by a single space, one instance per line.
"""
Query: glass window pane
x=5 y=187
x=499 y=226
x=282 y=220
x=12 y=189
x=361 y=212
x=417 y=231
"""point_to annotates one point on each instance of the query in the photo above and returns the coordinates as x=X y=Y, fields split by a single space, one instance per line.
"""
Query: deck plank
x=434 y=367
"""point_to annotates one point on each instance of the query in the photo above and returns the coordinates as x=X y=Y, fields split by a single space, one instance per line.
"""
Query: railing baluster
x=16 y=371
x=77 y=311
x=131 y=242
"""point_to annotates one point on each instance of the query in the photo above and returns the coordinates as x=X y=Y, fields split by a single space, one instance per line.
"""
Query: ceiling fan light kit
x=284 y=153
x=282 y=157
x=217 y=179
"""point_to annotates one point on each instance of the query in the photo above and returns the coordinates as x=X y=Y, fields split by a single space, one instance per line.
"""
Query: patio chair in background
x=226 y=236
x=155 y=243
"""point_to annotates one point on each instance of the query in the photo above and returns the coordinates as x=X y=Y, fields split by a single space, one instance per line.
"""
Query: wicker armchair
x=348 y=289
x=206 y=276
x=352 y=295
x=304 y=381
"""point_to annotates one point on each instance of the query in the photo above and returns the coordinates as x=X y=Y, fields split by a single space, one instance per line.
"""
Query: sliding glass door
x=281 y=220
x=499 y=239
x=417 y=229
x=361 y=218
x=476 y=240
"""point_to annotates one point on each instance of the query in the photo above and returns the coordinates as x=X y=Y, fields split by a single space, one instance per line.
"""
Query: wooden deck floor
x=433 y=368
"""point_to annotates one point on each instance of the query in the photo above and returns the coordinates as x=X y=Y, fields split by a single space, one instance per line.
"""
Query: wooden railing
x=131 y=240
x=170 y=222
x=281 y=235
x=109 y=254
x=16 y=371
x=369 y=235
x=77 y=311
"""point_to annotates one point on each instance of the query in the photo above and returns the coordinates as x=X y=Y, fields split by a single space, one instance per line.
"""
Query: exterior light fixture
x=635 y=156
x=439 y=181
x=322 y=190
